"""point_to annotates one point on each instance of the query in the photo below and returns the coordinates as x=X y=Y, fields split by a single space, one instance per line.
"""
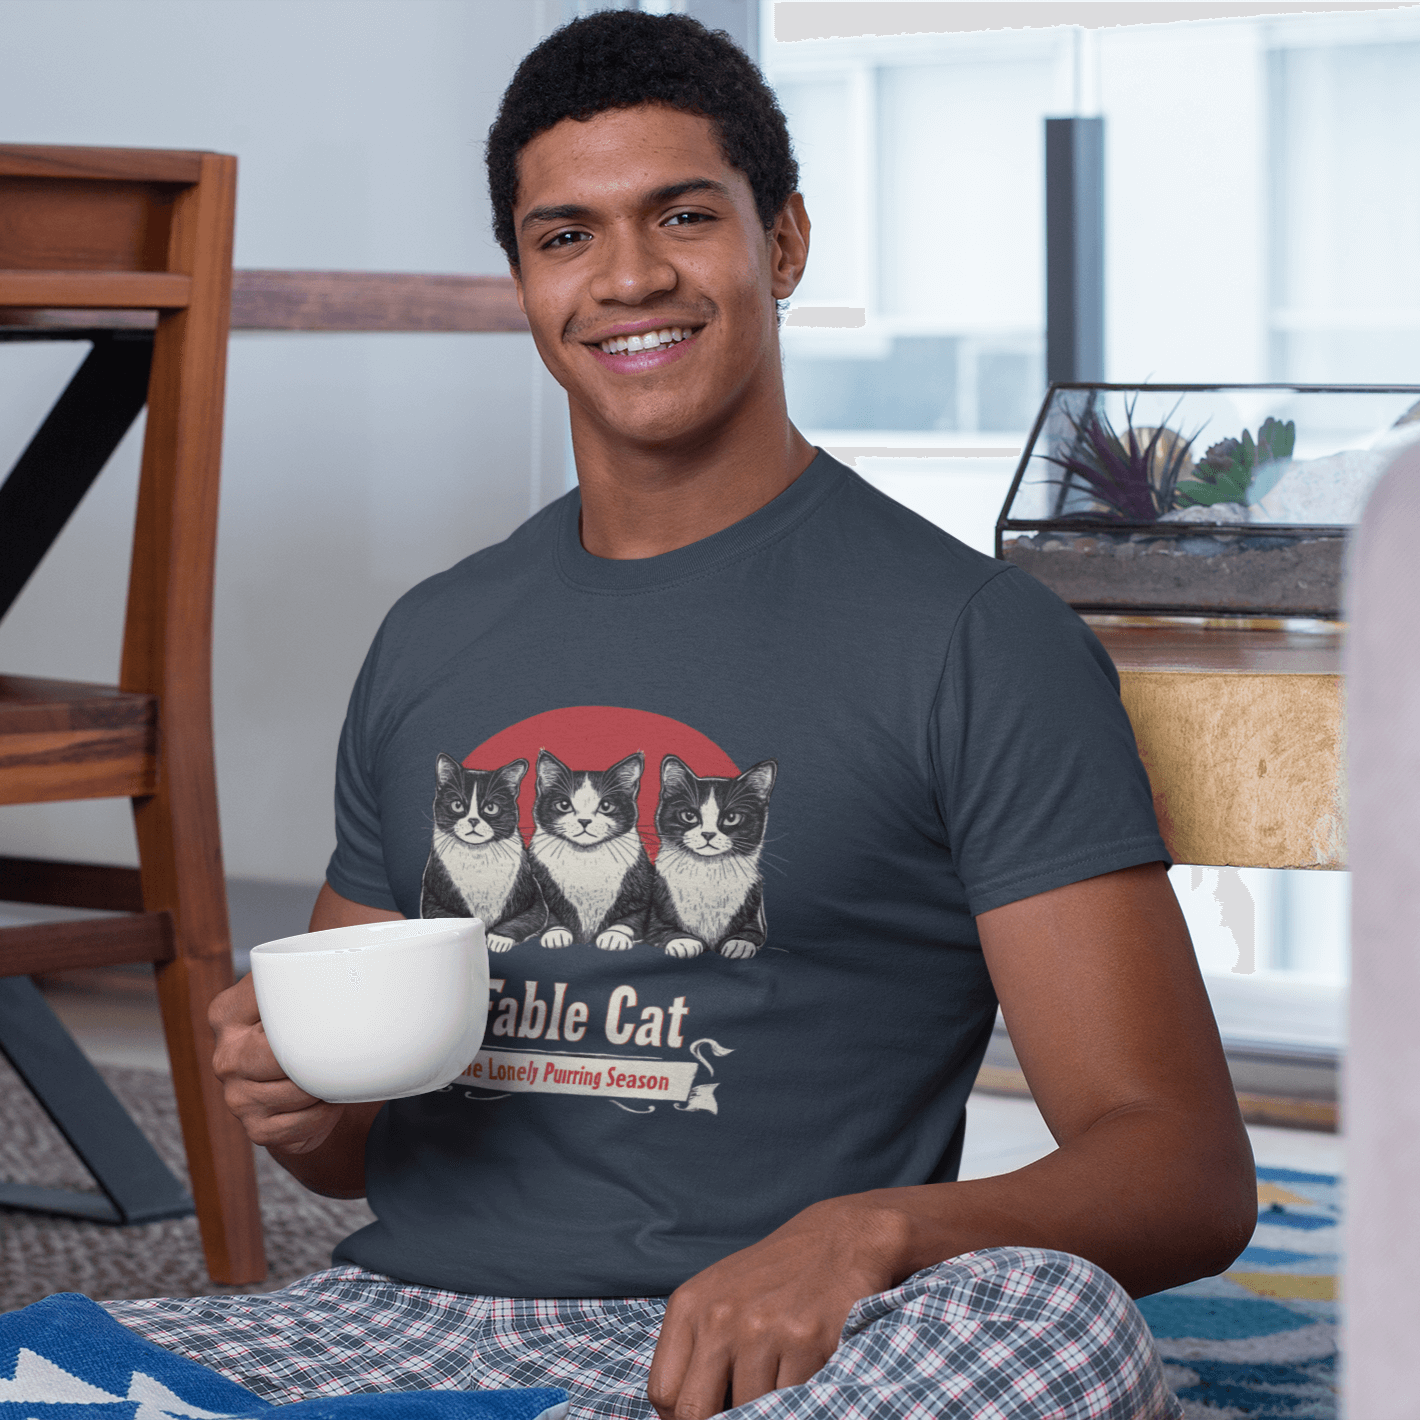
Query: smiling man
x=767 y=791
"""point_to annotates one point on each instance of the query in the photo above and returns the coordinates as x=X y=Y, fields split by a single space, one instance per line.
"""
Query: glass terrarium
x=1202 y=500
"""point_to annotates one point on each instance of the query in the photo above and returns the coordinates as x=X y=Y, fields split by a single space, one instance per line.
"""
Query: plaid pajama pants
x=1000 y=1334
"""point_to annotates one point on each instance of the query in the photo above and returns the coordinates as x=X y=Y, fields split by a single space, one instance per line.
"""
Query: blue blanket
x=65 y=1358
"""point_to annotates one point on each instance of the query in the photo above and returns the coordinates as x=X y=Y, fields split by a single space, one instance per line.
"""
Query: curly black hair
x=623 y=58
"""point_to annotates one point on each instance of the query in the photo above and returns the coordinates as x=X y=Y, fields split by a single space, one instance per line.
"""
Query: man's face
x=634 y=231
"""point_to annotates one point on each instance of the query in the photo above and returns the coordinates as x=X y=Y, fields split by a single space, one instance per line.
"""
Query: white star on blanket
x=65 y=1358
x=40 y=1382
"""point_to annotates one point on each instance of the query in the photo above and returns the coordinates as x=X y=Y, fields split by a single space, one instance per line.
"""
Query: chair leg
x=181 y=865
x=219 y=1154
x=167 y=652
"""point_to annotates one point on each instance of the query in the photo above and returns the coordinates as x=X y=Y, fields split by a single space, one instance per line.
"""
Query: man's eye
x=686 y=219
x=564 y=239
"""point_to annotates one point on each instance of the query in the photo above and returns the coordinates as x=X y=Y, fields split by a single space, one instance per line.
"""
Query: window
x=1262 y=223
x=1344 y=291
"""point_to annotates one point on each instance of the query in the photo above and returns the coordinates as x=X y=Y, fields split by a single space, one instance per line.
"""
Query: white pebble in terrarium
x=1204 y=513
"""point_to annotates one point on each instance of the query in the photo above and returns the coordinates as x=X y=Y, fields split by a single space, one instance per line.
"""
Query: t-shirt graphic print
x=576 y=857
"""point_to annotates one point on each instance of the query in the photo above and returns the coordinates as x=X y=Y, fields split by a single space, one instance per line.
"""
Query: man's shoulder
x=435 y=622
x=894 y=562
x=900 y=554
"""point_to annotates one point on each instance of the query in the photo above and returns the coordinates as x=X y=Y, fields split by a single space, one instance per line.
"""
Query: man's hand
x=1152 y=1180
x=274 y=1111
x=771 y=1315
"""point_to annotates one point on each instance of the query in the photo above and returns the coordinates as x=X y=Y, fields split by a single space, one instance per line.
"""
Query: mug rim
x=415 y=931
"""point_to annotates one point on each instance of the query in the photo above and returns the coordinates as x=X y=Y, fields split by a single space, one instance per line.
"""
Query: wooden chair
x=131 y=250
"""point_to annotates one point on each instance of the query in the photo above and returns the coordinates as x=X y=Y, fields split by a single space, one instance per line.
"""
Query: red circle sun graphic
x=594 y=737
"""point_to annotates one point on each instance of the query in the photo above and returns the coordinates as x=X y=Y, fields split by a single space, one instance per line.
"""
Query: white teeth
x=650 y=340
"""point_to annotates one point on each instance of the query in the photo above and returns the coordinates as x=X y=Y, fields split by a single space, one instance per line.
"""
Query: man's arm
x=1152 y=1180
x=321 y=1144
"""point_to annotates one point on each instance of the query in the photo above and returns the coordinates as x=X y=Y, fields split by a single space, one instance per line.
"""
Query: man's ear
x=517 y=275
x=788 y=247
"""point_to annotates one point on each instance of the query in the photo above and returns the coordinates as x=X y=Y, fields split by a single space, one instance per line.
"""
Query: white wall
x=354 y=465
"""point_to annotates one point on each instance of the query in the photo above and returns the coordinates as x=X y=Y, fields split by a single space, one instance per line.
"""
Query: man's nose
x=630 y=270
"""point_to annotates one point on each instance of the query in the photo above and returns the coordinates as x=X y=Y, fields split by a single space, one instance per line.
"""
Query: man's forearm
x=1153 y=1197
x=336 y=1167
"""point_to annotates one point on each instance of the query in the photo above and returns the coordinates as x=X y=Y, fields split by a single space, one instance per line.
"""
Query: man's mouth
x=647 y=340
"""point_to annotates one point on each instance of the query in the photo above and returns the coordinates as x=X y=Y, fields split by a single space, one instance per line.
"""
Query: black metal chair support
x=69 y=451
x=138 y=1187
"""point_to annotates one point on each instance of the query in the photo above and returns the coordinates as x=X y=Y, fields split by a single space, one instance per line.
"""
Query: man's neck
x=642 y=502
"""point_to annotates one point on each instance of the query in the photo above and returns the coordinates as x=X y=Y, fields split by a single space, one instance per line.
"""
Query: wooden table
x=1243 y=734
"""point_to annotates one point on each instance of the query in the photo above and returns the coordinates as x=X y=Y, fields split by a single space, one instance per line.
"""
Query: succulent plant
x=1228 y=471
x=1132 y=474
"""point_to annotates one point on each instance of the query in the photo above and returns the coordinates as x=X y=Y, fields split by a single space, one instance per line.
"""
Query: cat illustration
x=707 y=892
x=478 y=866
x=587 y=855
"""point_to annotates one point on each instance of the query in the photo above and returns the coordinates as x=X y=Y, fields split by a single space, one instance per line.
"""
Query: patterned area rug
x=1259 y=1342
x=41 y=1254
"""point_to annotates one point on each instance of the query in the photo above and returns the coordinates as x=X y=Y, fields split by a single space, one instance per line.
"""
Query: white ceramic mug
x=375 y=1012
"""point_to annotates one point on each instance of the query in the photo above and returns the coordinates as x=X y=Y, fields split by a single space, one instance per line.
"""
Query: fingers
x=274 y=1111
x=705 y=1389
x=280 y=1115
x=711 y=1380
x=715 y=1353
x=723 y=1358
x=690 y=1374
x=301 y=1132
x=795 y=1368
x=668 y=1366
x=756 y=1373
x=275 y=1099
x=770 y=1315
x=236 y=1006
x=242 y=1049
x=243 y=1052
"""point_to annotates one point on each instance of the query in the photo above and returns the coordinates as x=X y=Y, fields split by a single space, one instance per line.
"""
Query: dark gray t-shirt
x=761 y=785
